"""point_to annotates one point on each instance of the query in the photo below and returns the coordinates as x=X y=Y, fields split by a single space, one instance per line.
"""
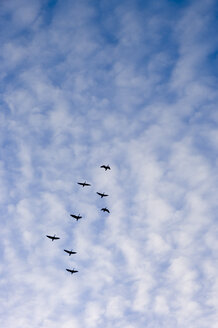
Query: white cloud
x=86 y=86
x=161 y=306
x=115 y=307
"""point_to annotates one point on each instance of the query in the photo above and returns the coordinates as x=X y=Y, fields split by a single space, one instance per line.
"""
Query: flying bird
x=101 y=194
x=52 y=237
x=106 y=167
x=83 y=184
x=105 y=209
x=72 y=271
x=69 y=252
x=77 y=217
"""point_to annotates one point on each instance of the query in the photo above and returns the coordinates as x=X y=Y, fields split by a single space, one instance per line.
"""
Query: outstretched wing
x=106 y=167
x=105 y=209
x=83 y=184
x=50 y=237
x=77 y=217
x=71 y=271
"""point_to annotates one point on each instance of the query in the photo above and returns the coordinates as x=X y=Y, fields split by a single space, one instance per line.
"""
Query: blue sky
x=132 y=84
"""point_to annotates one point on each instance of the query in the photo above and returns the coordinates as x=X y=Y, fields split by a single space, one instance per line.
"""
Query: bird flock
x=78 y=217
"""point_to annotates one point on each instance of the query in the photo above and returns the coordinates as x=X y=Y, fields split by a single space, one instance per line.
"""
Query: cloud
x=120 y=84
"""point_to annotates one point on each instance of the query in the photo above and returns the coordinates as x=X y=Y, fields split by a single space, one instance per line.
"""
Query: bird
x=83 y=184
x=52 y=237
x=69 y=252
x=77 y=217
x=72 y=271
x=106 y=167
x=105 y=209
x=101 y=194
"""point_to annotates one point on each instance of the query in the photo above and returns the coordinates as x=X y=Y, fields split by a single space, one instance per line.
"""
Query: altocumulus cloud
x=131 y=84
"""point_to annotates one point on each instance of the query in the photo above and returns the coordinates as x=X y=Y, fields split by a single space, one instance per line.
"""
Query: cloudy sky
x=132 y=84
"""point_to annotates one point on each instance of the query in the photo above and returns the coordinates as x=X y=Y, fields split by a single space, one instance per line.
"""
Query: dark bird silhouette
x=105 y=209
x=77 y=217
x=101 y=194
x=72 y=271
x=106 y=167
x=83 y=184
x=69 y=252
x=52 y=237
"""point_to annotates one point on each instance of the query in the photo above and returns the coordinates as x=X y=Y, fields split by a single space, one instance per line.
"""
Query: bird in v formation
x=105 y=209
x=77 y=217
x=106 y=167
x=84 y=184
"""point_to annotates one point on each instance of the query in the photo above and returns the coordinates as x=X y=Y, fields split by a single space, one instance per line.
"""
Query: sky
x=132 y=84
